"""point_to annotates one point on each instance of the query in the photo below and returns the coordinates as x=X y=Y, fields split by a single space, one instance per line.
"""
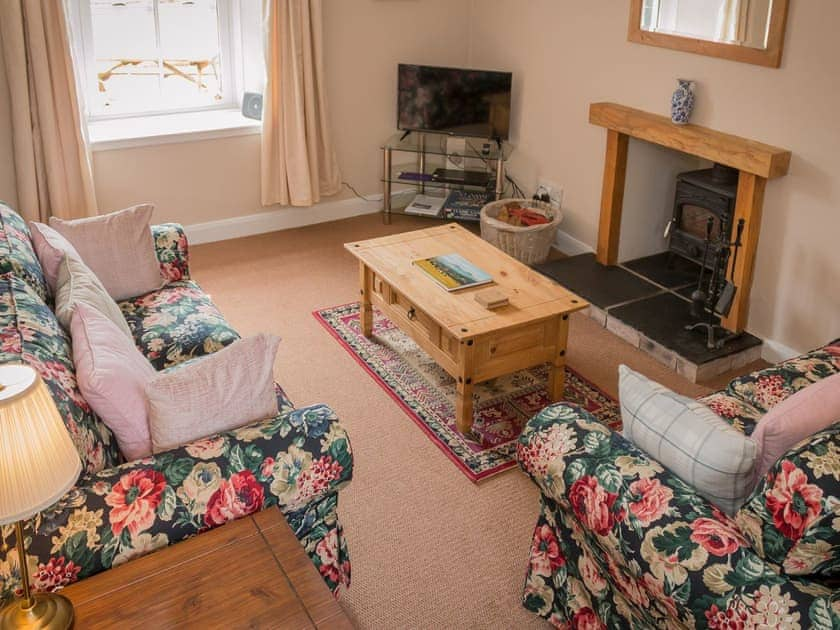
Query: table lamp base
x=50 y=611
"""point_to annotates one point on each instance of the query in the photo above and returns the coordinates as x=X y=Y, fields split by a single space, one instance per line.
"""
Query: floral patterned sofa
x=118 y=511
x=620 y=542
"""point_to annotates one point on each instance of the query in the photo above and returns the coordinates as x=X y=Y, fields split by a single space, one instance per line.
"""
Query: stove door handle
x=668 y=228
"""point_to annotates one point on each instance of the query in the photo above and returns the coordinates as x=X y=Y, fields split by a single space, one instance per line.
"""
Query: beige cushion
x=77 y=284
x=219 y=392
x=118 y=248
x=50 y=247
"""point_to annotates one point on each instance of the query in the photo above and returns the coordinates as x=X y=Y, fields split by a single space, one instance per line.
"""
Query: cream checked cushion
x=689 y=439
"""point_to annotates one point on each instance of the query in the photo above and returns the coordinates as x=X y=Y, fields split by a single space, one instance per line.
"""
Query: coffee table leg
x=464 y=387
x=365 y=306
x=557 y=373
x=464 y=407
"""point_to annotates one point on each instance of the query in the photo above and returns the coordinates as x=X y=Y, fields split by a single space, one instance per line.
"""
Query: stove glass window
x=693 y=221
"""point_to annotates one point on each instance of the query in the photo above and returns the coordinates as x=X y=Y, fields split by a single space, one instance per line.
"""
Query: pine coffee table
x=473 y=344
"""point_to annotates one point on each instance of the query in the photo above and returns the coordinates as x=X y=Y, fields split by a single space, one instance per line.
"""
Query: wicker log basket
x=528 y=244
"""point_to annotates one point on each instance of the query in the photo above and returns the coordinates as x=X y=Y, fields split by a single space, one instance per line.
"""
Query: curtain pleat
x=52 y=163
x=298 y=161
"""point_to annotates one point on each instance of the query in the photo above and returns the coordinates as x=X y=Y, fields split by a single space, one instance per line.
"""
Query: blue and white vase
x=682 y=102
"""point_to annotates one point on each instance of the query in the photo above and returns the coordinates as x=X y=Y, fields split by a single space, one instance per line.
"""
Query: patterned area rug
x=427 y=393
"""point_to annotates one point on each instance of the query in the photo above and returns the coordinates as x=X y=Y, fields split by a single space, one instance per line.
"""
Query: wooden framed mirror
x=751 y=31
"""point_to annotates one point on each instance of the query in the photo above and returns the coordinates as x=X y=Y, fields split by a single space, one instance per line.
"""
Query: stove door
x=693 y=208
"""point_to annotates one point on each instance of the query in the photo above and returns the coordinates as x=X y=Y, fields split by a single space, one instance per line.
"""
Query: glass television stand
x=414 y=164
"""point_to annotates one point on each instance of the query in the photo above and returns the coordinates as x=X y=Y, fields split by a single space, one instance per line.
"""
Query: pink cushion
x=112 y=374
x=118 y=248
x=50 y=247
x=218 y=392
x=799 y=416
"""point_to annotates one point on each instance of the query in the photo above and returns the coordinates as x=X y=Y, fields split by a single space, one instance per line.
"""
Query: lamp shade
x=38 y=461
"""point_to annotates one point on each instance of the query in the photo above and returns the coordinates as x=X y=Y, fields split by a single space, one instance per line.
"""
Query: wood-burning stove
x=701 y=195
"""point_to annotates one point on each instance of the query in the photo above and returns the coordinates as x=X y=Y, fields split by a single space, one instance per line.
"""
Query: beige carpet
x=429 y=548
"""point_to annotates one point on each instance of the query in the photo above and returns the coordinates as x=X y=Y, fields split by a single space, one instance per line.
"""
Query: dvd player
x=425 y=206
x=456 y=176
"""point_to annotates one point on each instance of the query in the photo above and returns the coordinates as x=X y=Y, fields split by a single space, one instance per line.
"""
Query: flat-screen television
x=454 y=101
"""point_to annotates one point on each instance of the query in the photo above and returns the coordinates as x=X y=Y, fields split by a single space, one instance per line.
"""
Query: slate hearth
x=669 y=270
x=646 y=302
x=600 y=285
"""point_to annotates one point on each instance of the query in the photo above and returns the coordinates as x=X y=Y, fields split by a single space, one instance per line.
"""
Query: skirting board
x=569 y=245
x=280 y=219
x=774 y=352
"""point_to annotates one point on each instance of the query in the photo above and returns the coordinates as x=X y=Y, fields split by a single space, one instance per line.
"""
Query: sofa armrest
x=665 y=548
x=766 y=388
x=296 y=460
x=792 y=518
x=172 y=251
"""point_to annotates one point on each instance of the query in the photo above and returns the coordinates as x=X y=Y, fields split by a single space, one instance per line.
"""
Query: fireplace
x=655 y=302
x=755 y=162
x=648 y=301
x=701 y=196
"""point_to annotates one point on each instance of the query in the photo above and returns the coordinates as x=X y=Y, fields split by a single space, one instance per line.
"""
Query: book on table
x=453 y=272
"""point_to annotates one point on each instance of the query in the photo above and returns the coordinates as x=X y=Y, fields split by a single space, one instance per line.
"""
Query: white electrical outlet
x=554 y=191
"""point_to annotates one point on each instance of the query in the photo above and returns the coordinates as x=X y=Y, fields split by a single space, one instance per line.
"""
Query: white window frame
x=230 y=45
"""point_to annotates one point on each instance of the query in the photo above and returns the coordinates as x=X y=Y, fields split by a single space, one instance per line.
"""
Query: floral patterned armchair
x=118 y=511
x=621 y=542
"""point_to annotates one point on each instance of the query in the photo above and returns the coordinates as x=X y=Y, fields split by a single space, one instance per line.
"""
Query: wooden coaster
x=491 y=298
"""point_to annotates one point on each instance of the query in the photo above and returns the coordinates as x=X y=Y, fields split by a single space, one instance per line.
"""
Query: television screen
x=454 y=101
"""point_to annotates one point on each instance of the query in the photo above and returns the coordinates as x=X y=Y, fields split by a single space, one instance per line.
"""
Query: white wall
x=649 y=197
x=565 y=55
x=364 y=40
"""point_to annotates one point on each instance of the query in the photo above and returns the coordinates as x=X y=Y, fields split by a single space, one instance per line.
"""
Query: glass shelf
x=435 y=144
x=394 y=178
x=401 y=212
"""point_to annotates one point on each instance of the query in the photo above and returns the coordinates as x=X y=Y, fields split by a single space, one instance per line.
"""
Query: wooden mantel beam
x=739 y=153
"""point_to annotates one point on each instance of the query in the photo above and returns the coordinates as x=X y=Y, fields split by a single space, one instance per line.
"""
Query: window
x=145 y=57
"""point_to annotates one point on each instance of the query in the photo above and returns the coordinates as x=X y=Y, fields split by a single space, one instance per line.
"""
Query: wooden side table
x=250 y=573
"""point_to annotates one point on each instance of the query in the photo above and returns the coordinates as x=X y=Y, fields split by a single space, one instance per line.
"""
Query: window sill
x=125 y=133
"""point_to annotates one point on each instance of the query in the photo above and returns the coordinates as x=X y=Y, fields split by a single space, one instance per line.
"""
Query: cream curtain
x=52 y=164
x=298 y=159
